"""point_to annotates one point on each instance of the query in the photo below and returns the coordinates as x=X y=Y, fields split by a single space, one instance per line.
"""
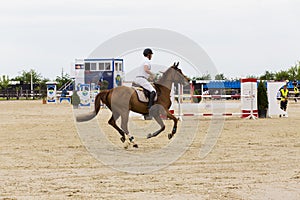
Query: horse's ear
x=177 y=64
x=174 y=65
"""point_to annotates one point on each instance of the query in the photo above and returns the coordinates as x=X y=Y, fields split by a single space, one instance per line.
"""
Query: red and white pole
x=249 y=97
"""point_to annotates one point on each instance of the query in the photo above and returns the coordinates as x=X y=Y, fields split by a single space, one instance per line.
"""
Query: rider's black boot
x=151 y=99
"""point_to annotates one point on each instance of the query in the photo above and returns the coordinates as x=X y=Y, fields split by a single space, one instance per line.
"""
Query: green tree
x=220 y=77
x=203 y=77
x=252 y=76
x=298 y=71
x=25 y=77
x=4 y=82
x=42 y=88
x=282 y=75
x=262 y=98
x=292 y=71
x=267 y=76
x=62 y=80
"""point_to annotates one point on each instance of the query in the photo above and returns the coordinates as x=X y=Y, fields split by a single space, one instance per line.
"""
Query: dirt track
x=42 y=157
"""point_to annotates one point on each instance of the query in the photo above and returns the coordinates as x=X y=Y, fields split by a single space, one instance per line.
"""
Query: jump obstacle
x=84 y=92
x=248 y=101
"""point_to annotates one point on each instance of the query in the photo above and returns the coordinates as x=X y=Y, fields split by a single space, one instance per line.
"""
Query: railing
x=21 y=94
x=66 y=85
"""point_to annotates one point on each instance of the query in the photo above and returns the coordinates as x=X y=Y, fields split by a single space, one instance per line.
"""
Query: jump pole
x=248 y=98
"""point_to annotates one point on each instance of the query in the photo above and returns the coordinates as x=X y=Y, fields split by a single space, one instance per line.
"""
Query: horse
x=121 y=100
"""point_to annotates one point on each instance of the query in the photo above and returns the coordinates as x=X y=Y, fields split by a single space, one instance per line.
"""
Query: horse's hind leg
x=124 y=126
x=156 y=110
x=112 y=122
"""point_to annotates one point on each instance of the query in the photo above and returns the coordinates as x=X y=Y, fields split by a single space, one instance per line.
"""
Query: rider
x=144 y=74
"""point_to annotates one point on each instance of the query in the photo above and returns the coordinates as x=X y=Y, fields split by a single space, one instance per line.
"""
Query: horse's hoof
x=136 y=146
x=170 y=136
x=122 y=139
x=149 y=136
x=174 y=131
x=131 y=139
x=126 y=145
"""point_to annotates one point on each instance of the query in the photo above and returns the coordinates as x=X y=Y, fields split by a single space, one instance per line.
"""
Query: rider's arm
x=147 y=70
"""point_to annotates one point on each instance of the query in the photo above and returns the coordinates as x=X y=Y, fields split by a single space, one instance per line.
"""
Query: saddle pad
x=141 y=95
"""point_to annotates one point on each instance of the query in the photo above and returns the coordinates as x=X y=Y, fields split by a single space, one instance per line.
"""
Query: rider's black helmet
x=147 y=52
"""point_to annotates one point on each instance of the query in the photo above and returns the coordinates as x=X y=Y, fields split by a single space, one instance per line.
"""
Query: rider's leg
x=151 y=99
x=152 y=94
x=145 y=84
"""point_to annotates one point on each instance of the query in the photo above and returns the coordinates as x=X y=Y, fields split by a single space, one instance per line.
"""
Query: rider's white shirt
x=141 y=71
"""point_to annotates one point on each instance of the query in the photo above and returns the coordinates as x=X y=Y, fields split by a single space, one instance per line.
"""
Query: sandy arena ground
x=42 y=157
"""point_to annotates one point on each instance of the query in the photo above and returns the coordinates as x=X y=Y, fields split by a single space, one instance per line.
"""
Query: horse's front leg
x=175 y=120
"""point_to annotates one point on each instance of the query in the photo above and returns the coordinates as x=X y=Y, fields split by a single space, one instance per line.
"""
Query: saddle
x=142 y=93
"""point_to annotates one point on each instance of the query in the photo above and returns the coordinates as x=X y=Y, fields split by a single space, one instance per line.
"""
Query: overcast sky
x=241 y=37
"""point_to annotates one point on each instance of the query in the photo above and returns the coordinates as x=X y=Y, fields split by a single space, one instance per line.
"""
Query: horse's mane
x=164 y=74
x=160 y=82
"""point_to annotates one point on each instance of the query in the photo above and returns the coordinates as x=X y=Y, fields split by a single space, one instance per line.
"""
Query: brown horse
x=121 y=100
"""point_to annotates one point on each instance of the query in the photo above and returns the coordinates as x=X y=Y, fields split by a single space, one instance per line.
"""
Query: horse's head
x=177 y=75
x=173 y=75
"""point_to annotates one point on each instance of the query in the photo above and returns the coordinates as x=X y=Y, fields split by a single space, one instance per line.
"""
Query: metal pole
x=179 y=102
x=31 y=85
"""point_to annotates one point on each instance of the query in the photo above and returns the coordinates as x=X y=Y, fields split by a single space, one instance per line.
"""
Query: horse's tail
x=101 y=97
